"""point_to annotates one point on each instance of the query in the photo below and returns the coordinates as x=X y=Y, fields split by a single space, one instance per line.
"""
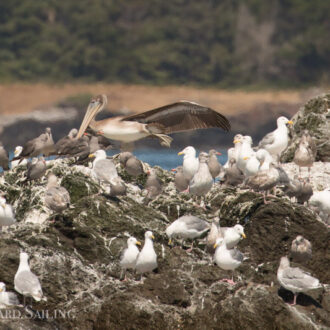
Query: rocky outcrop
x=76 y=256
x=315 y=117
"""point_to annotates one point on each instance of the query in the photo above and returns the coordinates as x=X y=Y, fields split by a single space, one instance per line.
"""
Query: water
x=165 y=158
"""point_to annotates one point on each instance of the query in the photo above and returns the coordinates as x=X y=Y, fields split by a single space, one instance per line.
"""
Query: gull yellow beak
x=243 y=235
x=290 y=122
x=170 y=241
x=138 y=243
x=91 y=155
x=153 y=237
x=236 y=141
x=215 y=245
x=0 y=289
x=180 y=153
x=245 y=158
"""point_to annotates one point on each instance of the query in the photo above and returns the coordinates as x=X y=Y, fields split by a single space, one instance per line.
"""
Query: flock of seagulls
x=249 y=167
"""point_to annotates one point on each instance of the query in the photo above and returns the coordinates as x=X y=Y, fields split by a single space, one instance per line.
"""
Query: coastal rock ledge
x=76 y=257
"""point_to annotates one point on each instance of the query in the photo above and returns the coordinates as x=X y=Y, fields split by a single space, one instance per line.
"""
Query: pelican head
x=95 y=106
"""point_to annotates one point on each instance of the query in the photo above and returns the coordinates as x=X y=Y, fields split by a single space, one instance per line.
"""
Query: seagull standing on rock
x=129 y=256
x=181 y=183
x=295 y=279
x=147 y=259
x=7 y=298
x=214 y=166
x=190 y=162
x=153 y=185
x=26 y=283
x=7 y=217
x=277 y=141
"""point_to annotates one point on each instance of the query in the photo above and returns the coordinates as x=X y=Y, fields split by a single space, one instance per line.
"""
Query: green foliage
x=225 y=42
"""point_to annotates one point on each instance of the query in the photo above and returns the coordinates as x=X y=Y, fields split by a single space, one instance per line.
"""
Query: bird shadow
x=302 y=299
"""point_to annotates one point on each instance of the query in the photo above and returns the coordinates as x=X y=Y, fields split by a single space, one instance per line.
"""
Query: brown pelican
x=176 y=117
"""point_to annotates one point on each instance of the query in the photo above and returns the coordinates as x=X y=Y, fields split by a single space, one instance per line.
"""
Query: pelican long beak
x=138 y=243
x=243 y=235
x=93 y=108
x=290 y=122
x=180 y=153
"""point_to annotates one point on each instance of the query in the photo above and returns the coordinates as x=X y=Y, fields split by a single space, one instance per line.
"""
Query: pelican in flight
x=176 y=117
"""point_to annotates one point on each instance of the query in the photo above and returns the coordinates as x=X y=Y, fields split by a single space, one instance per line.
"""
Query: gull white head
x=240 y=230
x=282 y=121
x=2 y=287
x=149 y=234
x=132 y=241
x=18 y=151
x=247 y=139
x=238 y=138
x=188 y=151
x=99 y=154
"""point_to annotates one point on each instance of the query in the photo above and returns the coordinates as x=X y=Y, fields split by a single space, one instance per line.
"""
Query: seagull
x=213 y=235
x=132 y=165
x=245 y=151
x=129 y=255
x=230 y=154
x=36 y=169
x=22 y=162
x=277 y=141
x=187 y=227
x=295 y=279
x=27 y=283
x=181 y=183
x=264 y=158
x=153 y=185
x=117 y=187
x=306 y=152
x=190 y=162
x=252 y=165
x=62 y=143
x=214 y=166
x=321 y=200
x=301 y=249
x=227 y=259
x=147 y=259
x=104 y=170
x=4 y=158
x=43 y=144
x=238 y=140
x=233 y=175
x=177 y=117
x=57 y=198
x=202 y=181
x=7 y=217
x=7 y=298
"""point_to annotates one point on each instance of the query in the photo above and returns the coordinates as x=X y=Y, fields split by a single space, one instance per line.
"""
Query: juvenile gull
x=302 y=190
x=181 y=183
x=7 y=298
x=7 y=217
x=132 y=165
x=62 y=143
x=104 y=170
x=233 y=175
x=129 y=255
x=202 y=181
x=36 y=169
x=227 y=259
x=214 y=166
x=117 y=187
x=190 y=162
x=301 y=249
x=277 y=141
x=244 y=151
x=147 y=259
x=187 y=227
x=17 y=152
x=57 y=198
x=43 y=144
x=27 y=283
x=295 y=279
x=153 y=185
x=4 y=158
x=305 y=153
x=213 y=235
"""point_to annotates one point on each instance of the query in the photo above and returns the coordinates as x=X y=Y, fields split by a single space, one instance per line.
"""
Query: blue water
x=165 y=158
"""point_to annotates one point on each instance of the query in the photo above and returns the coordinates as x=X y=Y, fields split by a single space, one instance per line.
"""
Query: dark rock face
x=76 y=257
x=314 y=116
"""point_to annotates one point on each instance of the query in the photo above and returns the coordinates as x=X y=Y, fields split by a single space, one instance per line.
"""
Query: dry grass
x=22 y=98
